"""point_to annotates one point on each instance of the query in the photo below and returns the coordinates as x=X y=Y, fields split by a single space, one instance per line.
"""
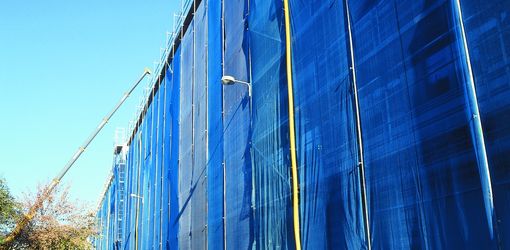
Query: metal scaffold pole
x=47 y=192
x=361 y=160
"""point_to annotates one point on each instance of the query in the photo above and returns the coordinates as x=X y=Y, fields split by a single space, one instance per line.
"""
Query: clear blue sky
x=63 y=66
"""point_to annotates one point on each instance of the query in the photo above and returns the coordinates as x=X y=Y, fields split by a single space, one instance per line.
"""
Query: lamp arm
x=247 y=84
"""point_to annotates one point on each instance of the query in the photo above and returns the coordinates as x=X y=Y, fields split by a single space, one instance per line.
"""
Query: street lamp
x=137 y=196
x=230 y=80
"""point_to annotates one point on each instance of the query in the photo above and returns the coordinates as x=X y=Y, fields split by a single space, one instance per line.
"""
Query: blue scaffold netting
x=401 y=113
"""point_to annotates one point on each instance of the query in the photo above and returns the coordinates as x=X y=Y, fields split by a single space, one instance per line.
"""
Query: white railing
x=178 y=23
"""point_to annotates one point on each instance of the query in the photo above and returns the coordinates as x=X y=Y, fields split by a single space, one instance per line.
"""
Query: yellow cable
x=292 y=132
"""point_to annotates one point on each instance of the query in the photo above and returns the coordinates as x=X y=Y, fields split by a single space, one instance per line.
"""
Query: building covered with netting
x=322 y=124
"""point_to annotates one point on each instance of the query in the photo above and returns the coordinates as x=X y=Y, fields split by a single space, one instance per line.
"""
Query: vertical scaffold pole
x=206 y=132
x=223 y=48
x=477 y=130
x=193 y=121
x=138 y=188
x=361 y=162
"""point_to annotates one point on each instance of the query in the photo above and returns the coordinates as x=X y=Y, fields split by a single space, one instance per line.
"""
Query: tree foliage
x=60 y=223
x=10 y=210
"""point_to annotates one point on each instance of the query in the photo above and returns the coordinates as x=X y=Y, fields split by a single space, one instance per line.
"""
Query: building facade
x=397 y=114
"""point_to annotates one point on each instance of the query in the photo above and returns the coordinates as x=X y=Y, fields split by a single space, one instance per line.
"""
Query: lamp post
x=230 y=80
x=227 y=81
x=137 y=196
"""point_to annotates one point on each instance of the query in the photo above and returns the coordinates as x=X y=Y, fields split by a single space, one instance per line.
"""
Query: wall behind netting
x=402 y=120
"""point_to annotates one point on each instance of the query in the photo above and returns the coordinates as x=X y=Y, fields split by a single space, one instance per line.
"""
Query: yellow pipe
x=292 y=132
